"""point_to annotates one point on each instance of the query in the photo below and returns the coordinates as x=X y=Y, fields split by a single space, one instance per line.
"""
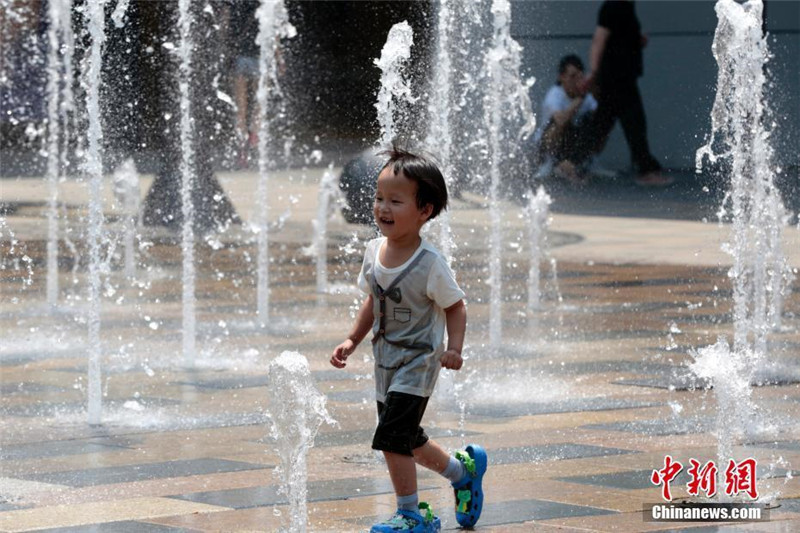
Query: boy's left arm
x=456 y=316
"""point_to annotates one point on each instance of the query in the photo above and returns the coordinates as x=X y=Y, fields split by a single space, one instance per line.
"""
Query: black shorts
x=398 y=423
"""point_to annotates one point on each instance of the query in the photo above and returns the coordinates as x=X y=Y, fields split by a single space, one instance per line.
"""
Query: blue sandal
x=468 y=491
x=410 y=522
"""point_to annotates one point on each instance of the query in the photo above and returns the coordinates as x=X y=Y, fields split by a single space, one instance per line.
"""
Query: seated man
x=563 y=143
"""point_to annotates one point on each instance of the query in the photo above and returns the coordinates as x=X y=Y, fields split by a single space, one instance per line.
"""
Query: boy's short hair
x=431 y=187
x=568 y=60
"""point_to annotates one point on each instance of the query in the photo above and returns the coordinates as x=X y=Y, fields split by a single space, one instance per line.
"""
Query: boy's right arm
x=360 y=329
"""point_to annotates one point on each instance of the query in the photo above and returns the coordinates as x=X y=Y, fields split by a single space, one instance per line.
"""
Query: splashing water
x=328 y=190
x=395 y=89
x=509 y=108
x=55 y=35
x=297 y=409
x=760 y=273
x=272 y=24
x=118 y=16
x=185 y=20
x=729 y=371
x=94 y=168
x=126 y=188
x=537 y=213
x=439 y=139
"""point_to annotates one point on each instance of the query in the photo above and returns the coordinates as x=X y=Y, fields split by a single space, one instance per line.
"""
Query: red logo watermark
x=739 y=478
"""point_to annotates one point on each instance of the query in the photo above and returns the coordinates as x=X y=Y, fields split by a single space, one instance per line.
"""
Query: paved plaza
x=576 y=407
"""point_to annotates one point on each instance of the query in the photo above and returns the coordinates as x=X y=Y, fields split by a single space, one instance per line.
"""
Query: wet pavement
x=576 y=408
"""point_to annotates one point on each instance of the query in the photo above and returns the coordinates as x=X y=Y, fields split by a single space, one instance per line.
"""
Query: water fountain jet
x=297 y=410
x=760 y=272
x=94 y=168
x=395 y=90
x=272 y=24
x=508 y=102
x=187 y=167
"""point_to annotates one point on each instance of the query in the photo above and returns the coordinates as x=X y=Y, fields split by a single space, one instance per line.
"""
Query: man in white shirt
x=563 y=143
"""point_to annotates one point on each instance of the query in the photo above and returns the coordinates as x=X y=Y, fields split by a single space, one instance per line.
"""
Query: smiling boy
x=411 y=299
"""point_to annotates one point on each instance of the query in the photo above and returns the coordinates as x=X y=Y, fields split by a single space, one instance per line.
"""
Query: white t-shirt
x=442 y=287
x=557 y=100
x=408 y=350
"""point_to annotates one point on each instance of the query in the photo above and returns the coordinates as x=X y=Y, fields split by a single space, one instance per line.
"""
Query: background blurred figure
x=23 y=74
x=242 y=33
x=616 y=63
x=564 y=136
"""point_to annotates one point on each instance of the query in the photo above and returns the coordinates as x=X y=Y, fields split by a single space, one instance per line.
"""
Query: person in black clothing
x=616 y=63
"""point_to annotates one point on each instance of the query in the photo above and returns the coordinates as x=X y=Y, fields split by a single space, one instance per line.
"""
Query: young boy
x=412 y=297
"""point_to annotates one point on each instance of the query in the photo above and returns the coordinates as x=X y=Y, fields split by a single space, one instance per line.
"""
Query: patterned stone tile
x=565 y=406
x=243 y=382
x=51 y=409
x=682 y=382
x=81 y=515
x=364 y=436
x=778 y=445
x=130 y=526
x=339 y=489
x=700 y=318
x=659 y=427
x=65 y=447
x=352 y=396
x=515 y=511
x=610 y=334
x=132 y=473
x=628 y=480
x=597 y=367
x=550 y=452
x=6 y=506
x=22 y=389
x=509 y=512
x=645 y=282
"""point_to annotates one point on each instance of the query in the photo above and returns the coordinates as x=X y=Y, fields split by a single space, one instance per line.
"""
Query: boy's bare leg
x=403 y=471
x=432 y=456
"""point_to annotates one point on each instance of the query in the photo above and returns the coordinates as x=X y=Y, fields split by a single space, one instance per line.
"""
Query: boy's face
x=570 y=80
x=395 y=209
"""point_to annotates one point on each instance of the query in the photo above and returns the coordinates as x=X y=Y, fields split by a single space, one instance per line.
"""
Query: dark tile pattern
x=566 y=406
x=345 y=438
x=128 y=526
x=659 y=427
x=131 y=473
x=65 y=447
x=48 y=409
x=507 y=512
x=550 y=452
x=685 y=382
x=352 y=396
x=628 y=480
x=12 y=389
x=586 y=336
x=6 y=506
x=778 y=445
x=516 y=511
x=243 y=382
x=599 y=367
x=318 y=491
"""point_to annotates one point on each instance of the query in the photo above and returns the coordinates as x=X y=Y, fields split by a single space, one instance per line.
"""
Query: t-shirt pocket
x=402 y=314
